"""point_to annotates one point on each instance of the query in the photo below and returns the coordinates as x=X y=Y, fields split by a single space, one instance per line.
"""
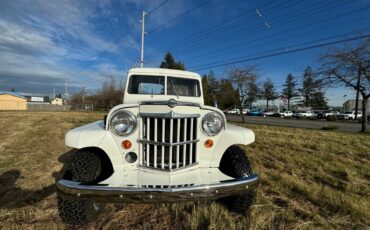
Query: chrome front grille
x=168 y=140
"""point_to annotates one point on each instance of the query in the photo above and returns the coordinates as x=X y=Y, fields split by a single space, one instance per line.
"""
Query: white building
x=57 y=101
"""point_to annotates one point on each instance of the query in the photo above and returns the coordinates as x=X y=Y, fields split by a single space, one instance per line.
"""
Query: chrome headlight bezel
x=130 y=116
x=204 y=126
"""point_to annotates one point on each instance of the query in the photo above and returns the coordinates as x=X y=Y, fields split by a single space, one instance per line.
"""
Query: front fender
x=95 y=135
x=233 y=135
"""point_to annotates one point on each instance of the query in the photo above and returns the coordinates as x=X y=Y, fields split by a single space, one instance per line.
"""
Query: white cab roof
x=161 y=71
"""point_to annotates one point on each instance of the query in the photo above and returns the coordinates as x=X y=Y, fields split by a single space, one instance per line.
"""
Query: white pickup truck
x=161 y=145
x=305 y=114
x=286 y=114
x=234 y=111
x=350 y=115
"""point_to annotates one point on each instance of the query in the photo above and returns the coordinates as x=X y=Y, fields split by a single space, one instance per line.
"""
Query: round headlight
x=122 y=123
x=212 y=123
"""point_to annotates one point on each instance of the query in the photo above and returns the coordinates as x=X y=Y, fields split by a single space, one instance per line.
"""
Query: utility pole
x=66 y=92
x=142 y=39
x=83 y=93
x=54 y=92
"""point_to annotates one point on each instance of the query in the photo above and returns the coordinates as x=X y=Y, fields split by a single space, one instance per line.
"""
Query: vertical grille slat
x=171 y=138
x=163 y=136
x=148 y=138
x=177 y=141
x=191 y=146
x=155 y=139
x=185 y=139
x=168 y=143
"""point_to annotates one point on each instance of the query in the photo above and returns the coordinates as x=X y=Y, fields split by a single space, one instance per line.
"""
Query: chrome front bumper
x=157 y=194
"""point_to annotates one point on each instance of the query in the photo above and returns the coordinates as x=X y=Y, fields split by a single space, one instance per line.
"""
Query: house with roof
x=10 y=101
x=57 y=101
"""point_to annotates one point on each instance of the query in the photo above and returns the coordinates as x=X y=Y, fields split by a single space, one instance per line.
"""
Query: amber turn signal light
x=126 y=144
x=208 y=143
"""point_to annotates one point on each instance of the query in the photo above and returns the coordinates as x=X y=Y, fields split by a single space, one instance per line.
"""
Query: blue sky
x=44 y=43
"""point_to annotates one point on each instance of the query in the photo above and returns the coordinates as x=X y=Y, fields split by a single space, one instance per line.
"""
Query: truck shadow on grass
x=13 y=196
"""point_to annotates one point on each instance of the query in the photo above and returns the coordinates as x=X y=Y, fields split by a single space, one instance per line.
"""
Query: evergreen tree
x=318 y=100
x=213 y=87
x=170 y=63
x=253 y=92
x=227 y=94
x=311 y=89
x=268 y=92
x=290 y=90
x=308 y=86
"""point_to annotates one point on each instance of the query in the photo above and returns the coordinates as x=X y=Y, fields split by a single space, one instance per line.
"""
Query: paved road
x=309 y=124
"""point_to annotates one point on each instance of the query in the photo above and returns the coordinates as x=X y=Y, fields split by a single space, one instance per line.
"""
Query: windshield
x=183 y=87
x=348 y=113
x=146 y=85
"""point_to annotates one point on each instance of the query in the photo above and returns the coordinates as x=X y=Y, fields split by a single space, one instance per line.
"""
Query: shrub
x=332 y=118
x=330 y=127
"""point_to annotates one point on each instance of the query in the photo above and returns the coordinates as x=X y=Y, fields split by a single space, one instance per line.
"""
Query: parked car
x=245 y=111
x=268 y=113
x=234 y=111
x=350 y=115
x=159 y=147
x=286 y=114
x=325 y=114
x=255 y=112
x=305 y=114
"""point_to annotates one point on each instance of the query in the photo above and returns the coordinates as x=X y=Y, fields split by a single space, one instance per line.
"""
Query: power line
x=157 y=7
x=221 y=31
x=215 y=31
x=179 y=17
x=283 y=21
x=300 y=44
x=283 y=52
x=217 y=26
x=238 y=46
x=163 y=25
x=257 y=27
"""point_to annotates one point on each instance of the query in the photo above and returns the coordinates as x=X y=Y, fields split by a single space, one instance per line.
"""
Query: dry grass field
x=310 y=179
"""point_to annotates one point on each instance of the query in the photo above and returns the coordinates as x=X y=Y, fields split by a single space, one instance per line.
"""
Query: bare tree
x=350 y=67
x=110 y=94
x=243 y=80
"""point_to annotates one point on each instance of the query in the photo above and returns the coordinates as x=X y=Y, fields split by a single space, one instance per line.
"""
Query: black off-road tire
x=85 y=167
x=235 y=164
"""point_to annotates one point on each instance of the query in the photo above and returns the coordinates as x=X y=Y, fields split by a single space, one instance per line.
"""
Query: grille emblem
x=172 y=103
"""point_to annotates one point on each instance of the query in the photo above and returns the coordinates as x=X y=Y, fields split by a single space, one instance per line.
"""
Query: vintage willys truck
x=161 y=145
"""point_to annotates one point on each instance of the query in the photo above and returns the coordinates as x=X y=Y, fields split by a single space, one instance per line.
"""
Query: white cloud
x=43 y=43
